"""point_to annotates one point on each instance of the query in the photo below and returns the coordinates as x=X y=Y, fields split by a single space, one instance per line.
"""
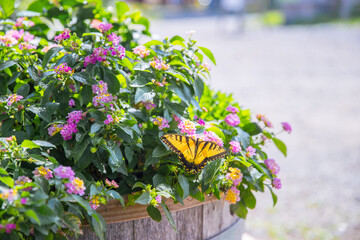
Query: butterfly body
x=193 y=153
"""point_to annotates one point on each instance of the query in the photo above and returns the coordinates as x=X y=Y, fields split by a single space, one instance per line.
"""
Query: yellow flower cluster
x=232 y=196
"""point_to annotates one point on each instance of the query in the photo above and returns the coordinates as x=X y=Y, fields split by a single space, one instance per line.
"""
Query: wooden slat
x=148 y=229
x=189 y=223
x=212 y=214
x=114 y=212
x=114 y=231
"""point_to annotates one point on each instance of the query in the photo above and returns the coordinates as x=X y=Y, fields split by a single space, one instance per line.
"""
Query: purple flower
x=74 y=117
x=104 y=27
x=114 y=39
x=235 y=147
x=232 y=120
x=109 y=119
x=43 y=171
x=99 y=55
x=149 y=105
x=272 y=166
x=67 y=131
x=63 y=69
x=187 y=127
x=158 y=199
x=286 y=126
x=232 y=109
x=64 y=172
x=23 y=201
x=212 y=137
x=76 y=186
x=161 y=122
x=250 y=151
x=277 y=183
x=100 y=88
x=141 y=51
x=64 y=35
x=117 y=51
x=13 y=99
x=9 y=227
x=71 y=103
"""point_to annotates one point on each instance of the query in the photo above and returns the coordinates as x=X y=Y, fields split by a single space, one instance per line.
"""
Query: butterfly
x=193 y=154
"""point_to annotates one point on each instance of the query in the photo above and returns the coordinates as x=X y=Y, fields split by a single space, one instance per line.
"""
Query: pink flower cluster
x=102 y=96
x=141 y=51
x=104 y=27
x=176 y=118
x=64 y=172
x=75 y=186
x=63 y=69
x=250 y=151
x=13 y=99
x=161 y=122
x=265 y=120
x=277 y=183
x=232 y=120
x=23 y=22
x=187 y=127
x=206 y=66
x=286 y=126
x=232 y=109
x=199 y=120
x=111 y=183
x=8 y=194
x=71 y=103
x=7 y=227
x=22 y=180
x=54 y=129
x=109 y=119
x=26 y=46
x=71 y=126
x=157 y=64
x=99 y=55
x=209 y=136
x=235 y=147
x=62 y=36
x=44 y=172
x=12 y=37
x=160 y=84
x=235 y=176
x=158 y=199
x=149 y=105
x=117 y=51
x=115 y=39
x=272 y=166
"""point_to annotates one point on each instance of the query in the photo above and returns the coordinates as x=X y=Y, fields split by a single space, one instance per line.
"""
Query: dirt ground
x=310 y=77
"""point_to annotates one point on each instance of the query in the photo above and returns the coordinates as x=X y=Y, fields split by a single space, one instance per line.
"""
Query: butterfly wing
x=207 y=151
x=183 y=146
x=194 y=154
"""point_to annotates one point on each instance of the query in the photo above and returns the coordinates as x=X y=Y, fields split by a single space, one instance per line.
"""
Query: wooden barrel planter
x=210 y=219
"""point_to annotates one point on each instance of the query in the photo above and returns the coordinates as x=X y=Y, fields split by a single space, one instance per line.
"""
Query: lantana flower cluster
x=233 y=195
x=62 y=36
x=187 y=127
x=235 y=147
x=101 y=94
x=265 y=120
x=13 y=98
x=161 y=122
x=70 y=128
x=13 y=37
x=159 y=65
x=141 y=51
x=63 y=69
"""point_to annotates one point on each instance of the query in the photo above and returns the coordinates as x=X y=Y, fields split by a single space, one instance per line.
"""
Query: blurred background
x=295 y=61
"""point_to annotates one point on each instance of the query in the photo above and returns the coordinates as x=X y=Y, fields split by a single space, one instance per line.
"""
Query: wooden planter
x=210 y=219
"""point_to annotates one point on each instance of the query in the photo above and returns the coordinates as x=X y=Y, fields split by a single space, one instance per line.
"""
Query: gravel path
x=310 y=77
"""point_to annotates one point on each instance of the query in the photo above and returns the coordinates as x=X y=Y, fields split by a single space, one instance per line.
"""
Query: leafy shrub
x=82 y=116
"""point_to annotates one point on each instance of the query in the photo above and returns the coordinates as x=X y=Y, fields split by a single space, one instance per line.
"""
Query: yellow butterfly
x=194 y=154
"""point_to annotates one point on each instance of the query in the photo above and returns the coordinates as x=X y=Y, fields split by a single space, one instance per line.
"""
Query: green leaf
x=7 y=64
x=154 y=213
x=115 y=195
x=184 y=183
x=84 y=77
x=208 y=53
x=7 y=7
x=217 y=131
x=45 y=214
x=160 y=151
x=50 y=54
x=158 y=179
x=177 y=74
x=144 y=199
x=29 y=144
x=211 y=169
x=252 y=128
x=33 y=72
x=280 y=145
x=126 y=63
x=152 y=43
x=43 y=143
x=273 y=195
x=145 y=94
x=239 y=209
x=248 y=197
x=129 y=154
x=169 y=216
x=121 y=9
x=32 y=216
x=139 y=185
x=23 y=90
x=9 y=181
x=112 y=81
x=95 y=127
